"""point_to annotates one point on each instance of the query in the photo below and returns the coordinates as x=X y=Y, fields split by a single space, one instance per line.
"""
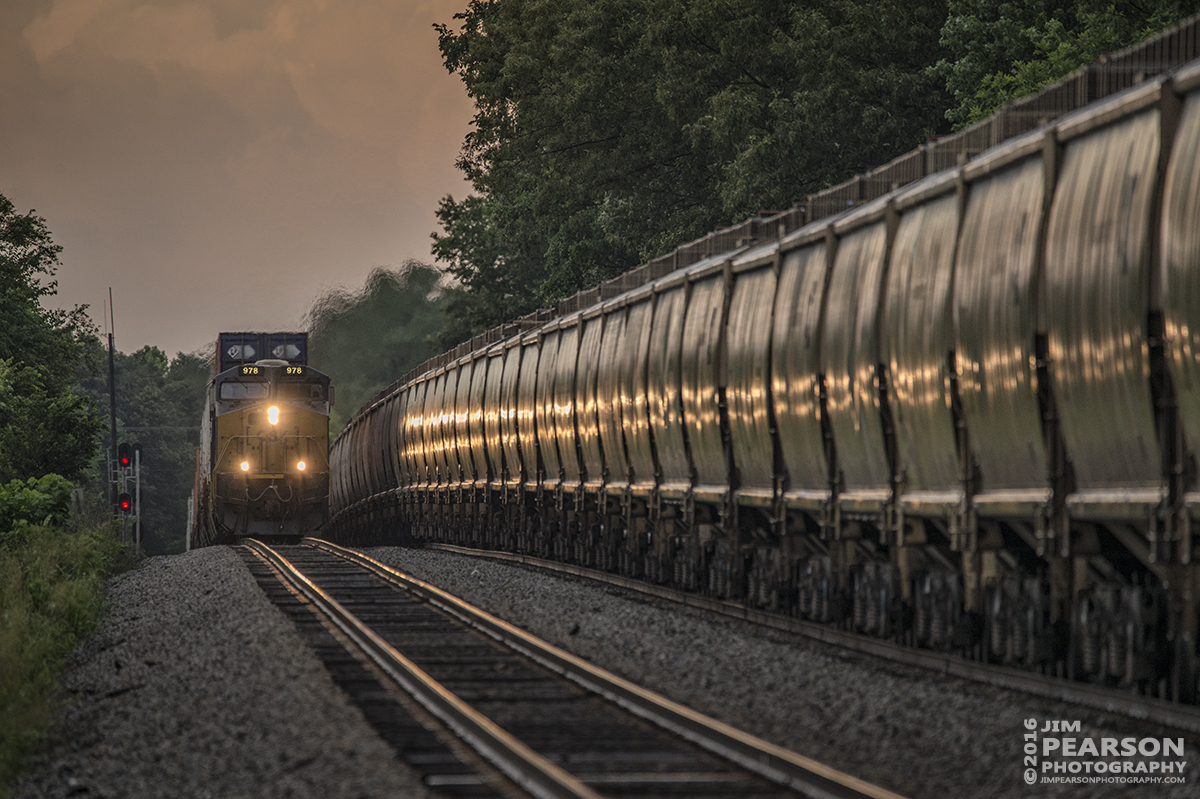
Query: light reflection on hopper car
x=963 y=415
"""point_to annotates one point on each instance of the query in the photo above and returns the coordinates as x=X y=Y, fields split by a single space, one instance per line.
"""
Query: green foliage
x=365 y=340
x=608 y=131
x=568 y=133
x=47 y=426
x=1002 y=51
x=51 y=595
x=163 y=401
x=24 y=504
x=44 y=426
x=792 y=97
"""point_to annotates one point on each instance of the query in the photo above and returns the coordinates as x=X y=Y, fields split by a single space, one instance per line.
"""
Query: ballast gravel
x=196 y=686
x=921 y=734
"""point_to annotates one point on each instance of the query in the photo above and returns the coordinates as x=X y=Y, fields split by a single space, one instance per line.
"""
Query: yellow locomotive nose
x=273 y=415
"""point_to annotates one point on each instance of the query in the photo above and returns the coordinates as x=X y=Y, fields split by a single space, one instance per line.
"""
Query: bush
x=41 y=501
x=51 y=596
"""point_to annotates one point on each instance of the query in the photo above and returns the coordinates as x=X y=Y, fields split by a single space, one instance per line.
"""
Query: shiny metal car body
x=851 y=360
x=1097 y=290
x=797 y=373
x=964 y=414
x=748 y=377
x=916 y=335
x=1178 y=282
x=587 y=419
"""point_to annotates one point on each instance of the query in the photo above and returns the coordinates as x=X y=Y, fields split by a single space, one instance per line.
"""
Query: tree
x=577 y=169
x=1001 y=51
x=789 y=98
x=159 y=405
x=45 y=427
x=365 y=340
x=609 y=131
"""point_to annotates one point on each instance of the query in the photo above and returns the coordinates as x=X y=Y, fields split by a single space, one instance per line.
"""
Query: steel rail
x=768 y=760
x=1142 y=708
x=517 y=761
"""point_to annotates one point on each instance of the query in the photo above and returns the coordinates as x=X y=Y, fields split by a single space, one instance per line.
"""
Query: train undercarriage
x=1080 y=600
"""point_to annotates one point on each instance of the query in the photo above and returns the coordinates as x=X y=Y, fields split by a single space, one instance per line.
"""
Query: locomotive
x=963 y=415
x=262 y=468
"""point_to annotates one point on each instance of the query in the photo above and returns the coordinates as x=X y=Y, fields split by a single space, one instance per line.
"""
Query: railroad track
x=1131 y=705
x=522 y=713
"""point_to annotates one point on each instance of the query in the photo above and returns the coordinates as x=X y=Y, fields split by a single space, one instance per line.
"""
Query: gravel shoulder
x=906 y=729
x=196 y=686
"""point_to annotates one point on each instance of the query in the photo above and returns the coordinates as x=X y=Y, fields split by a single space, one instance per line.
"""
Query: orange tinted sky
x=219 y=163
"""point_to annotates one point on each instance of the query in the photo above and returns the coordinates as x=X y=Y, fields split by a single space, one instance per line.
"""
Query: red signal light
x=125 y=455
x=124 y=503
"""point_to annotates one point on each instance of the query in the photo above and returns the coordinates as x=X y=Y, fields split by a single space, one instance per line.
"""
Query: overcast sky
x=220 y=163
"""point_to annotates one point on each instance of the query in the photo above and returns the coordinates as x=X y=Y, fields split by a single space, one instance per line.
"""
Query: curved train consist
x=963 y=415
x=263 y=465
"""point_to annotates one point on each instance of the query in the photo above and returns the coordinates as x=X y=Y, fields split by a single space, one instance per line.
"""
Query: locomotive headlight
x=245 y=466
x=300 y=465
x=273 y=415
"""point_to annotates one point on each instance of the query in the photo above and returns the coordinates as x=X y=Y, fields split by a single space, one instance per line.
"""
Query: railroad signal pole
x=129 y=466
x=137 y=497
x=112 y=402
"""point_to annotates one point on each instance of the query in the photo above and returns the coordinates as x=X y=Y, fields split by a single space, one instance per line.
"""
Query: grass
x=51 y=597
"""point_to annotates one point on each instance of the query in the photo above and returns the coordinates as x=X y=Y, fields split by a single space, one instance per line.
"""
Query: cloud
x=59 y=29
x=352 y=64
x=219 y=163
